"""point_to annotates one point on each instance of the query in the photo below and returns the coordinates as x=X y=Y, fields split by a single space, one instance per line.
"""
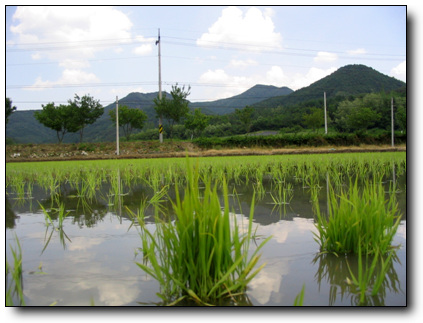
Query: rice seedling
x=299 y=299
x=367 y=274
x=61 y=215
x=201 y=255
x=283 y=195
x=14 y=284
x=365 y=220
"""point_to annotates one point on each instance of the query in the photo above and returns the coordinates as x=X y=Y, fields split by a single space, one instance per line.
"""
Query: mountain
x=347 y=80
x=256 y=94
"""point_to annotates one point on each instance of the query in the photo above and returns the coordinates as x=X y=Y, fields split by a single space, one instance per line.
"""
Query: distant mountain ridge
x=253 y=95
x=347 y=80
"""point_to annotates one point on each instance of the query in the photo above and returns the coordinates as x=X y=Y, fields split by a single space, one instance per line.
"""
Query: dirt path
x=148 y=149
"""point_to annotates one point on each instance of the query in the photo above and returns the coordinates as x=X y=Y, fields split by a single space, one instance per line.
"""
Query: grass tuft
x=358 y=220
x=201 y=255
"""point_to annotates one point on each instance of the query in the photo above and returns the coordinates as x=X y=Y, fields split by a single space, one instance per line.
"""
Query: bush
x=307 y=139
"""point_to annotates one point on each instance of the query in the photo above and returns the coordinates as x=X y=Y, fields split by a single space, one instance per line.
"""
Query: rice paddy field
x=311 y=230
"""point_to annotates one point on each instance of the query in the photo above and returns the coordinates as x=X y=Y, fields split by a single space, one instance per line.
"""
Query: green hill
x=346 y=81
x=256 y=94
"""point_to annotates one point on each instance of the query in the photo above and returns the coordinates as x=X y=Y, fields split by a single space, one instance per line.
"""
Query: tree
x=314 y=119
x=245 y=116
x=362 y=118
x=196 y=122
x=173 y=110
x=60 y=118
x=87 y=111
x=129 y=119
x=401 y=118
x=9 y=109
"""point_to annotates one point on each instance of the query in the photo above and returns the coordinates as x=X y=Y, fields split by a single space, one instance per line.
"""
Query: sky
x=55 y=52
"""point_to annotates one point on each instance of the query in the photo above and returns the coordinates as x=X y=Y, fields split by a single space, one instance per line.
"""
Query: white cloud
x=65 y=33
x=255 y=29
x=314 y=74
x=144 y=48
x=276 y=76
x=358 y=51
x=242 y=63
x=69 y=76
x=325 y=57
x=222 y=85
x=400 y=71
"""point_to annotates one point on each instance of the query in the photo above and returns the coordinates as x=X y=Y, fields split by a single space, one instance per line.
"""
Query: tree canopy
x=175 y=109
x=59 y=118
x=9 y=109
x=129 y=119
x=87 y=111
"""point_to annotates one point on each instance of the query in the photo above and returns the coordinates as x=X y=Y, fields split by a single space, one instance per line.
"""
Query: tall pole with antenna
x=160 y=90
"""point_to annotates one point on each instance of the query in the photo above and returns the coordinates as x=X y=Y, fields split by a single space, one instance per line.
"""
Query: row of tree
x=71 y=117
x=344 y=114
x=82 y=111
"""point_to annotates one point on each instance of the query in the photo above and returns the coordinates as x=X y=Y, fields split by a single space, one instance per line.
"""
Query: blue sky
x=220 y=51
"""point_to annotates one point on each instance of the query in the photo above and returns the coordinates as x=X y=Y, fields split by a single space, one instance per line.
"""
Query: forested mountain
x=256 y=94
x=346 y=82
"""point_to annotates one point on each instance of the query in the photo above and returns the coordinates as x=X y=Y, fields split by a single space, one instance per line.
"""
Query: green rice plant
x=201 y=255
x=357 y=219
x=283 y=195
x=61 y=215
x=14 y=285
x=367 y=274
x=299 y=299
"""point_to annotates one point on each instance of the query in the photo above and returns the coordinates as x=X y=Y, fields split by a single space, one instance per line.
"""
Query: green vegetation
x=196 y=122
x=358 y=100
x=198 y=250
x=73 y=117
x=358 y=221
x=14 y=284
x=305 y=139
x=9 y=109
x=367 y=280
x=129 y=119
x=202 y=255
x=175 y=109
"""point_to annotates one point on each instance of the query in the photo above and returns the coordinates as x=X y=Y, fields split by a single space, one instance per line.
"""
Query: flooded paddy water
x=87 y=255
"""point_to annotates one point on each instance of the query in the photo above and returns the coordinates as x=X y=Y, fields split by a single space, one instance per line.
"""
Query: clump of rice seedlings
x=61 y=215
x=357 y=219
x=201 y=255
x=283 y=195
x=367 y=280
x=14 y=284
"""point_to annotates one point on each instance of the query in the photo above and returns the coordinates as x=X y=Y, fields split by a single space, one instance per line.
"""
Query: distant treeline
x=309 y=139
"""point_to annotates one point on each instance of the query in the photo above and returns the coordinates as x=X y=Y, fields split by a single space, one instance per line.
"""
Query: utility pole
x=160 y=91
x=392 y=121
x=117 y=126
x=326 y=119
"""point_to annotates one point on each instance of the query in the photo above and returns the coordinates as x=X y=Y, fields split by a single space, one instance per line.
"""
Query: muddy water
x=91 y=260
